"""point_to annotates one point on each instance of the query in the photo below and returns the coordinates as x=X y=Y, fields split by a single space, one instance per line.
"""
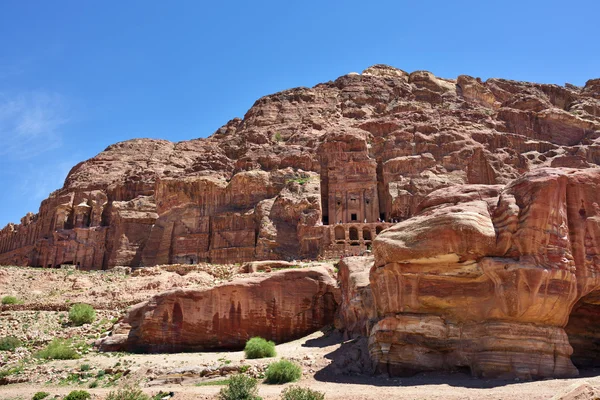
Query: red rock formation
x=278 y=306
x=487 y=277
x=273 y=185
x=356 y=312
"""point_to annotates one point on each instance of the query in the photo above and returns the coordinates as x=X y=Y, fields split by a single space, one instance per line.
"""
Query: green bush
x=58 y=349
x=78 y=395
x=40 y=395
x=10 y=300
x=9 y=343
x=128 y=393
x=282 y=371
x=298 y=393
x=240 y=387
x=85 y=367
x=277 y=137
x=258 y=347
x=80 y=314
x=11 y=371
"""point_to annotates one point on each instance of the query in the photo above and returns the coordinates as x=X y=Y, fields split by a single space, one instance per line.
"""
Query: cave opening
x=583 y=330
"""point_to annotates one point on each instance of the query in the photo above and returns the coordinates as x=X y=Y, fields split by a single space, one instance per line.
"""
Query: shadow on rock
x=350 y=363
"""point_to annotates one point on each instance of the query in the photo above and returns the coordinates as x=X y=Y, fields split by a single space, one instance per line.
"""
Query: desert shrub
x=240 y=387
x=78 y=395
x=282 y=371
x=40 y=395
x=298 y=393
x=128 y=393
x=11 y=371
x=58 y=349
x=9 y=343
x=10 y=300
x=80 y=314
x=258 y=347
x=85 y=367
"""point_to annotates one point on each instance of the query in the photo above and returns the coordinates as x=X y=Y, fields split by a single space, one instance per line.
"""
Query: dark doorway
x=340 y=234
x=353 y=234
x=353 y=217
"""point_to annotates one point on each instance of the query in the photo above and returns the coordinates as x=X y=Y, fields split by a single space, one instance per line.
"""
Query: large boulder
x=487 y=279
x=278 y=306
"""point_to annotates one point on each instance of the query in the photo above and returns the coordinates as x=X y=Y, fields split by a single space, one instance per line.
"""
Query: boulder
x=279 y=306
x=487 y=279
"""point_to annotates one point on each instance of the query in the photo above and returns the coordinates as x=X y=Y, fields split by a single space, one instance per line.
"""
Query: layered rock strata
x=487 y=278
x=279 y=306
x=307 y=173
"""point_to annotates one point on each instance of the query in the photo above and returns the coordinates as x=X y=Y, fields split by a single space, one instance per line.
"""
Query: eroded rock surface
x=279 y=306
x=356 y=312
x=307 y=172
x=487 y=277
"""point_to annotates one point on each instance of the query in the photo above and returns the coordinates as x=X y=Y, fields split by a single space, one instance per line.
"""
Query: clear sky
x=76 y=76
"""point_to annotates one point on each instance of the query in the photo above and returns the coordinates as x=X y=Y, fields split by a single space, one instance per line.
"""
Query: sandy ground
x=326 y=360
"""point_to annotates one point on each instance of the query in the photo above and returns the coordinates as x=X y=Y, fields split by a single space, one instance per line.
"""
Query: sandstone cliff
x=307 y=172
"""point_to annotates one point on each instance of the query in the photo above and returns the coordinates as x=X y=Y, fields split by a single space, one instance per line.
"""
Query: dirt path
x=314 y=352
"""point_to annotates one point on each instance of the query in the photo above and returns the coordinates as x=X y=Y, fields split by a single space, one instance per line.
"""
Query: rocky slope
x=307 y=172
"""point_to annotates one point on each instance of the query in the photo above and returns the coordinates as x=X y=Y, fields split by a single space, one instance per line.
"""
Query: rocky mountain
x=308 y=172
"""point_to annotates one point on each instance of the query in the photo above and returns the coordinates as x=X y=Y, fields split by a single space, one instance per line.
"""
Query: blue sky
x=76 y=76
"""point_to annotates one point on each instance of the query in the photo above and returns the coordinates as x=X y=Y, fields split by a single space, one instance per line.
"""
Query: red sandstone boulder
x=488 y=279
x=279 y=306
